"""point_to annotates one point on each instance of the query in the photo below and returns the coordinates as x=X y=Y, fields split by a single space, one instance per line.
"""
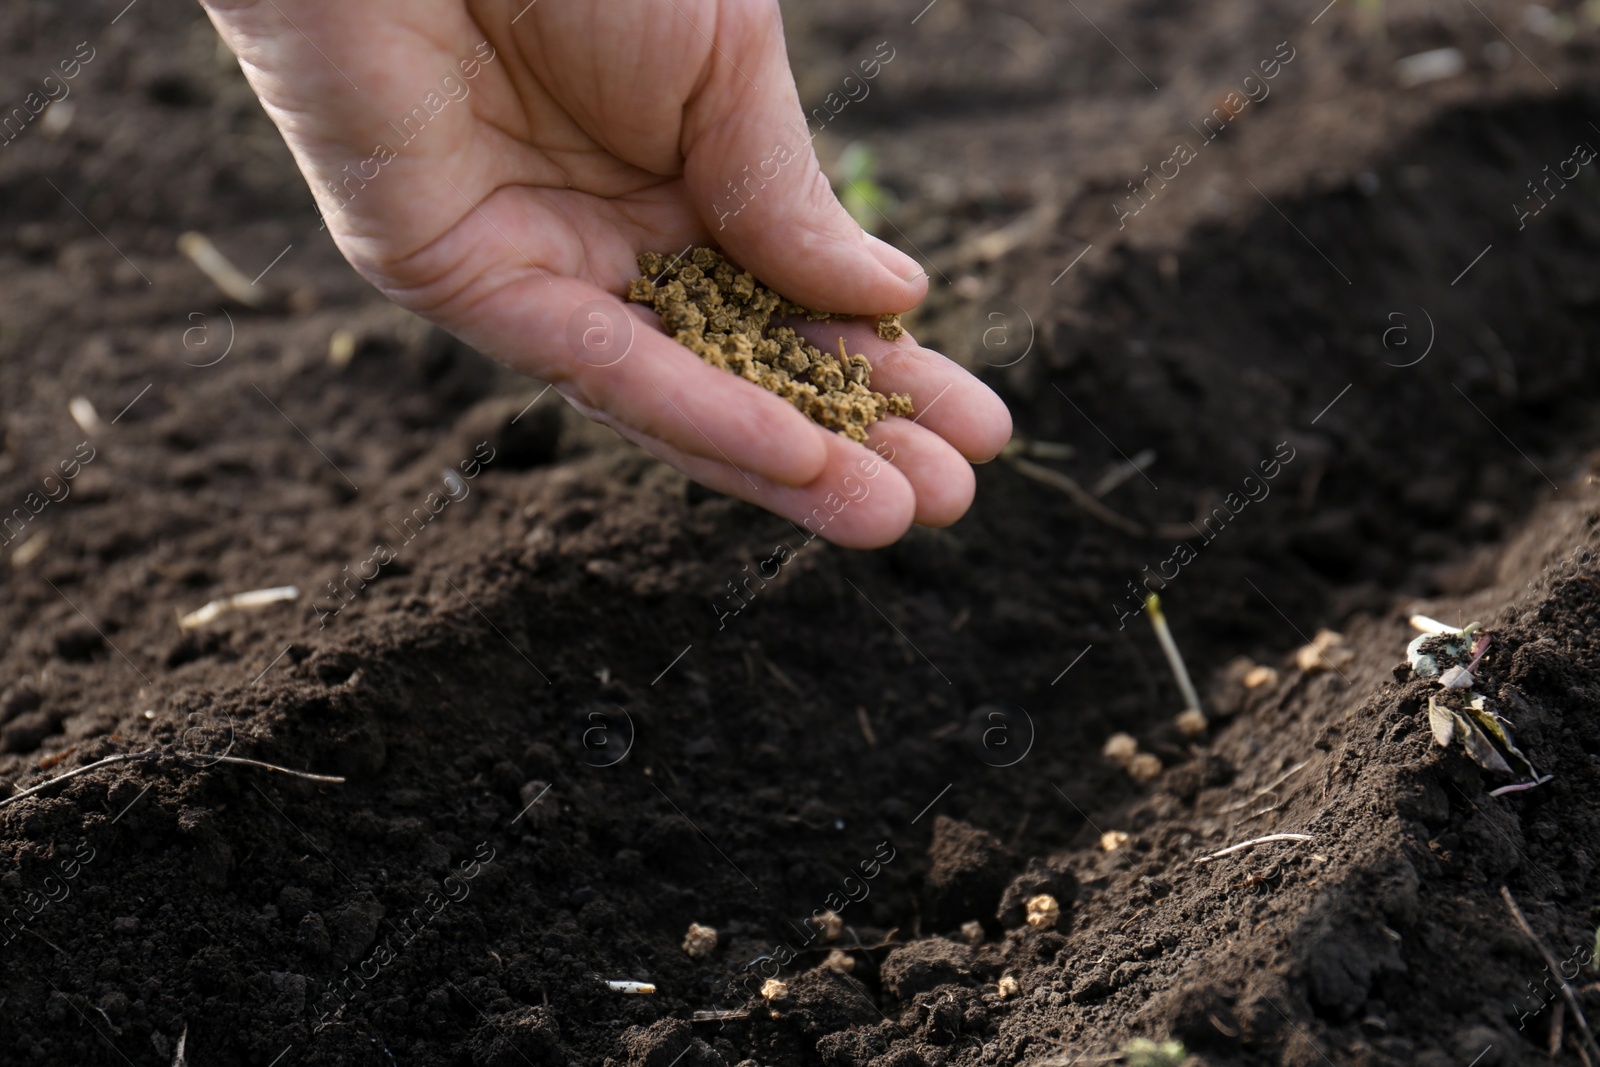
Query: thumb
x=753 y=176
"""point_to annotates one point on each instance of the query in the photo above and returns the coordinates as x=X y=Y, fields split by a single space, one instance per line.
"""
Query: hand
x=497 y=166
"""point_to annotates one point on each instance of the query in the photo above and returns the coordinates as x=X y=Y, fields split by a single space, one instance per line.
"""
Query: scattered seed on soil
x=341 y=348
x=840 y=961
x=1324 y=653
x=830 y=924
x=1145 y=767
x=1258 y=676
x=1043 y=912
x=1120 y=748
x=29 y=550
x=972 y=932
x=725 y=316
x=1191 y=723
x=773 y=989
x=1008 y=987
x=1112 y=840
x=699 y=941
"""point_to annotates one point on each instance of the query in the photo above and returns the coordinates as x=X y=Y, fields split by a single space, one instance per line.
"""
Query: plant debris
x=1484 y=734
x=1252 y=843
x=256 y=598
x=621 y=985
x=725 y=316
x=223 y=274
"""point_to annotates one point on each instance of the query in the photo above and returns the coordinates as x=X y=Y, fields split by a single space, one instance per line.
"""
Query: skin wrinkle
x=571 y=104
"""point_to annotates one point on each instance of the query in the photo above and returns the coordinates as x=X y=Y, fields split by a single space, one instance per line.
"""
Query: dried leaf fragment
x=1443 y=723
x=1481 y=749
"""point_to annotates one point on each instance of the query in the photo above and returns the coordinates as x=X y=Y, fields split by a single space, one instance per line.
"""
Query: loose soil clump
x=725 y=317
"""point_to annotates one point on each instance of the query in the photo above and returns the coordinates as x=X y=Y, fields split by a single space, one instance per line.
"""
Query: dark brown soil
x=557 y=758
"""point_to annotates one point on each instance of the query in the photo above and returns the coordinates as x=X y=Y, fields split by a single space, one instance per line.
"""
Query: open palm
x=497 y=167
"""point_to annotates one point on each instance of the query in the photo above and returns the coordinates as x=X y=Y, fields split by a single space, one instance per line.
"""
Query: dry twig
x=1555 y=969
x=129 y=757
x=1080 y=496
x=1241 y=846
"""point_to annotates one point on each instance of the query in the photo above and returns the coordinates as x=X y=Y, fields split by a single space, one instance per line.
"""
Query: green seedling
x=1142 y=1052
x=868 y=202
x=1158 y=621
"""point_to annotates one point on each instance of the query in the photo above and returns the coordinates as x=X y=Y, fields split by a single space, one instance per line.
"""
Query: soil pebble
x=919 y=967
x=970 y=870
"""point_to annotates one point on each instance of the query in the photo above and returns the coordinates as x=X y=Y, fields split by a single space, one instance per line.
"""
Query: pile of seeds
x=725 y=317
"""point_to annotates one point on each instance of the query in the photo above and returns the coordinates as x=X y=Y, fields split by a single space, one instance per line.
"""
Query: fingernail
x=902 y=265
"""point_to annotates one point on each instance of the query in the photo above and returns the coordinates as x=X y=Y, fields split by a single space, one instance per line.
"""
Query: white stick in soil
x=223 y=274
x=619 y=986
x=1191 y=699
x=256 y=598
x=1241 y=846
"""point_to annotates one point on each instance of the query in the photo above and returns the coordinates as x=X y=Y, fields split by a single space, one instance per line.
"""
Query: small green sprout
x=1191 y=699
x=1142 y=1052
x=868 y=202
